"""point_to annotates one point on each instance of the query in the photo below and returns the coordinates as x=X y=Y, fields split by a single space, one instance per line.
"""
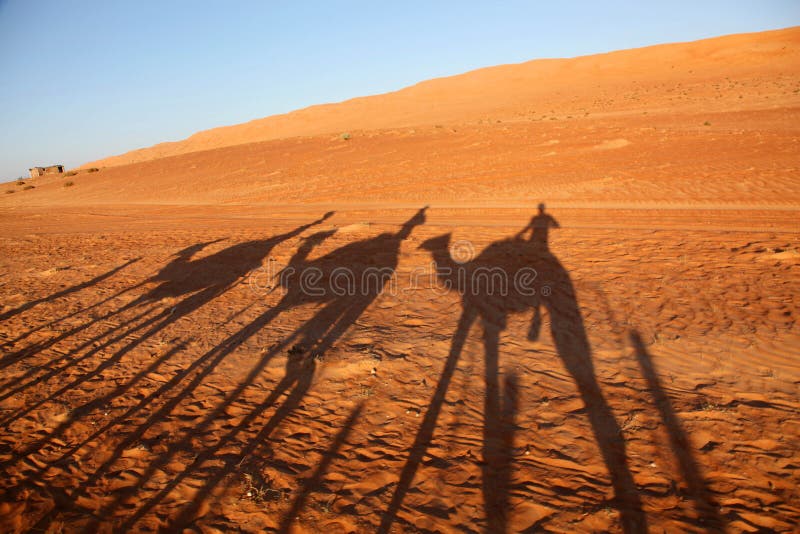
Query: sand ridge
x=685 y=77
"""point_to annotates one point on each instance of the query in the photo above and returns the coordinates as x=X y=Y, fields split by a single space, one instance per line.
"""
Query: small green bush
x=69 y=184
x=346 y=136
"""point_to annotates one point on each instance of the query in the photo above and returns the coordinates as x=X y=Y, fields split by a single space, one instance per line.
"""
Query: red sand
x=146 y=383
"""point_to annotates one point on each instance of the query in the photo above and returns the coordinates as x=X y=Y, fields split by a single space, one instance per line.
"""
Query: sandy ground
x=151 y=380
x=158 y=372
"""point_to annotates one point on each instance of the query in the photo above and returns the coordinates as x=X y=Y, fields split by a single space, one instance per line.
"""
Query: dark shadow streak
x=498 y=446
x=64 y=292
x=314 y=480
x=339 y=313
x=705 y=504
x=425 y=433
x=555 y=292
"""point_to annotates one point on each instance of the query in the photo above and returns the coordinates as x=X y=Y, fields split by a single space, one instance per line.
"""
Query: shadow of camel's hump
x=511 y=276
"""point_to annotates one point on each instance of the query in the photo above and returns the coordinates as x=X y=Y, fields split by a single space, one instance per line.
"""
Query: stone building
x=52 y=169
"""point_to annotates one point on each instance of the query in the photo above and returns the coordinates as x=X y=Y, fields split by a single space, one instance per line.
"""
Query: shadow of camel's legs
x=425 y=432
x=573 y=348
x=333 y=320
x=297 y=381
x=497 y=441
x=705 y=503
x=308 y=485
x=183 y=385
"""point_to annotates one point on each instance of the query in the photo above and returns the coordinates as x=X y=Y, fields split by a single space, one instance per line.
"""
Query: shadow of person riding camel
x=513 y=276
x=540 y=230
x=194 y=282
x=344 y=282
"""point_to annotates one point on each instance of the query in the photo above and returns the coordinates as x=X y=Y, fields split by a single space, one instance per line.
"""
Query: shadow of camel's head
x=316 y=238
x=436 y=244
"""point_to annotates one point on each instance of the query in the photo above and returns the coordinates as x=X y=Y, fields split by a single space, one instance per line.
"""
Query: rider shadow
x=345 y=282
x=192 y=282
x=512 y=276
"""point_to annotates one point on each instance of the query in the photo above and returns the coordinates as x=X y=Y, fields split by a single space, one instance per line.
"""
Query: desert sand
x=164 y=368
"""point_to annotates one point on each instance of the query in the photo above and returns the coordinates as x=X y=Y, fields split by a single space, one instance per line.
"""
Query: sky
x=82 y=80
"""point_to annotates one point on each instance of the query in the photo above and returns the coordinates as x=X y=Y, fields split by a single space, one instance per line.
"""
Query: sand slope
x=678 y=76
x=712 y=124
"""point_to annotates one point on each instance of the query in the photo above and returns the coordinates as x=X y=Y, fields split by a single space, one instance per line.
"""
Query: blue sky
x=87 y=79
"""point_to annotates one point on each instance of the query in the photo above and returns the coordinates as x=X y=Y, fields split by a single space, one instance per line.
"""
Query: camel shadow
x=344 y=282
x=193 y=282
x=513 y=276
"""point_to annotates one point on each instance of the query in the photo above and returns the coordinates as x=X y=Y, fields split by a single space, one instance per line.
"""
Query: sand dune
x=711 y=123
x=157 y=373
x=726 y=73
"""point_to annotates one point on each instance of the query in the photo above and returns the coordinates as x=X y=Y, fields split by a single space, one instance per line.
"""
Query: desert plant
x=346 y=136
x=258 y=489
x=20 y=182
x=69 y=184
x=27 y=187
x=71 y=173
x=9 y=191
x=706 y=123
x=92 y=169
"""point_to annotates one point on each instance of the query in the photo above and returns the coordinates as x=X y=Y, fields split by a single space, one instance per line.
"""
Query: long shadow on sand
x=371 y=263
x=706 y=506
x=512 y=276
x=193 y=282
x=338 y=286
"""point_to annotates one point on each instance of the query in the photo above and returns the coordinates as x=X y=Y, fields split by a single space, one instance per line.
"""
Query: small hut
x=52 y=169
